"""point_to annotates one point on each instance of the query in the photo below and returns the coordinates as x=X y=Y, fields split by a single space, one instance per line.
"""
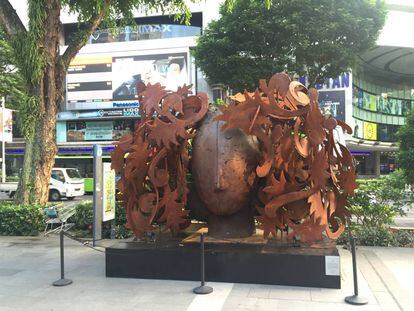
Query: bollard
x=203 y=289
x=62 y=281
x=354 y=299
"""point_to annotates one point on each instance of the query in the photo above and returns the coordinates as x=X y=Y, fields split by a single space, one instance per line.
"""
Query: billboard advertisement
x=333 y=103
x=370 y=131
x=381 y=103
x=106 y=82
x=77 y=131
x=108 y=192
x=6 y=130
x=358 y=128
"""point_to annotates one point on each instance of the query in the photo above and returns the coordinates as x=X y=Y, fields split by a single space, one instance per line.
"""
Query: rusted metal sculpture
x=223 y=170
x=275 y=157
x=153 y=160
x=308 y=174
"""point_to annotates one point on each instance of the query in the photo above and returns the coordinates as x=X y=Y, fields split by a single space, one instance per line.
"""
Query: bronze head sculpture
x=270 y=154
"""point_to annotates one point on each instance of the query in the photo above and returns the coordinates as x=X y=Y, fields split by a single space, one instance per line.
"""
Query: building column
x=377 y=163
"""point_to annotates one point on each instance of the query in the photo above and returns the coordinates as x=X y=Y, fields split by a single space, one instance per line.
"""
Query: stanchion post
x=62 y=281
x=203 y=289
x=355 y=299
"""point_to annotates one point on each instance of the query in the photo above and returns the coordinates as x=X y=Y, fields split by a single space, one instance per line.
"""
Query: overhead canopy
x=390 y=64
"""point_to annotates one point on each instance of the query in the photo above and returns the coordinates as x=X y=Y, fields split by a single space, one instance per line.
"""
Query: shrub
x=25 y=220
x=370 y=236
x=379 y=236
x=83 y=216
x=404 y=238
x=378 y=201
x=83 y=220
x=121 y=231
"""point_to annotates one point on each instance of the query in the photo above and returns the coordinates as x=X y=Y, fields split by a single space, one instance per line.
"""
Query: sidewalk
x=28 y=266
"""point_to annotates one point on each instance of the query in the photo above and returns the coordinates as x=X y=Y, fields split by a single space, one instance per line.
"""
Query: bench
x=59 y=214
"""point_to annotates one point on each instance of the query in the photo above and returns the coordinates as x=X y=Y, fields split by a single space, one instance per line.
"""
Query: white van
x=64 y=182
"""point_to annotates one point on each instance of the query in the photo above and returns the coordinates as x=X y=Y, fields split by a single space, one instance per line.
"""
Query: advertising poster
x=170 y=71
x=6 y=130
x=89 y=79
x=358 y=128
x=382 y=104
x=98 y=130
x=333 y=103
x=108 y=192
x=95 y=130
x=370 y=131
x=393 y=106
x=105 y=82
x=369 y=101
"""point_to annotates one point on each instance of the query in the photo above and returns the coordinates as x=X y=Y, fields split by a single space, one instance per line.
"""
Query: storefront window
x=365 y=164
x=388 y=162
x=387 y=133
x=98 y=130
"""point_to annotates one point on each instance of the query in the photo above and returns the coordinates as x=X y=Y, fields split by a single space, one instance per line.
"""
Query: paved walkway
x=29 y=265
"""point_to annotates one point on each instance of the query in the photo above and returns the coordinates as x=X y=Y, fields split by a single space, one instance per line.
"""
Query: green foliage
x=374 y=207
x=378 y=201
x=121 y=231
x=28 y=116
x=219 y=102
x=14 y=88
x=83 y=219
x=30 y=56
x=122 y=11
x=320 y=39
x=406 y=151
x=379 y=236
x=370 y=236
x=11 y=82
x=26 y=220
x=404 y=238
x=83 y=216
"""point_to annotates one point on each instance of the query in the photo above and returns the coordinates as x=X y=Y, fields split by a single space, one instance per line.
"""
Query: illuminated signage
x=106 y=81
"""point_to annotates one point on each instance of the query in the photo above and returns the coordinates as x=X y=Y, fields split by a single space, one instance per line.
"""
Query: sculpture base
x=255 y=261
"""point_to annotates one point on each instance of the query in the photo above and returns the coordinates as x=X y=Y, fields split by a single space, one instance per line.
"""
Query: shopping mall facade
x=101 y=105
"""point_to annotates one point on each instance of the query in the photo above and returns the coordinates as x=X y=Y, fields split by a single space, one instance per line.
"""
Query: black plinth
x=226 y=262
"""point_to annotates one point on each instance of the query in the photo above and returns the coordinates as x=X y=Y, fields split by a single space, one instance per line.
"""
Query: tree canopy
x=319 y=39
x=11 y=83
x=406 y=151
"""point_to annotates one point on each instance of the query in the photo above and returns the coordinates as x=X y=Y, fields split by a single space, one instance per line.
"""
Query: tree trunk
x=45 y=139
x=50 y=92
x=40 y=154
x=26 y=176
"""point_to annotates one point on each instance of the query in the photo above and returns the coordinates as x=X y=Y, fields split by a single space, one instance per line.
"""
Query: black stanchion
x=62 y=281
x=355 y=299
x=203 y=289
